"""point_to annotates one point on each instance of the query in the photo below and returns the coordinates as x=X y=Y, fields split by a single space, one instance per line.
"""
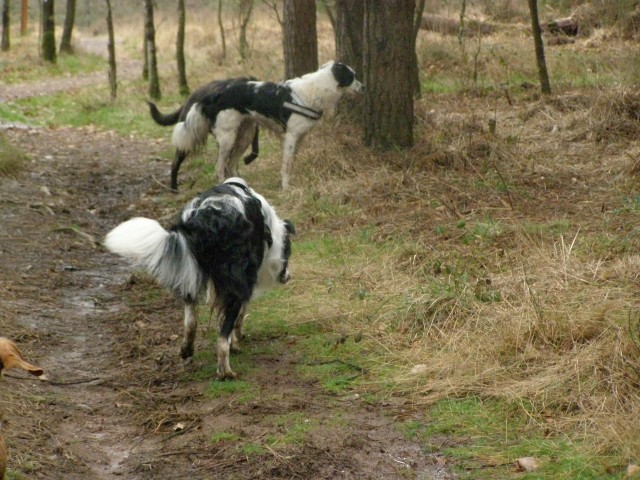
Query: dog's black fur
x=228 y=243
x=179 y=115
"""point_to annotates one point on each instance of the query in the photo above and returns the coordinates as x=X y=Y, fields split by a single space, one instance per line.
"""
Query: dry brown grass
x=507 y=265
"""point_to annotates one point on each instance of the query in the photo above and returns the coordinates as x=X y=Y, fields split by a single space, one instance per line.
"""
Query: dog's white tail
x=165 y=255
x=192 y=133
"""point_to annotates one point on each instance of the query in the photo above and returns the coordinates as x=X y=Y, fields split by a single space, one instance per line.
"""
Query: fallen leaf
x=526 y=464
x=420 y=368
x=633 y=471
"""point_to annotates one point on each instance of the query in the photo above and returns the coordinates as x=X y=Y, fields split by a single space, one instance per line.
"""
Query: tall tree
x=415 y=71
x=388 y=54
x=113 y=83
x=545 y=86
x=182 y=71
x=24 y=16
x=348 y=33
x=6 y=42
x=150 y=37
x=222 y=38
x=300 y=37
x=48 y=32
x=246 y=7
x=67 y=31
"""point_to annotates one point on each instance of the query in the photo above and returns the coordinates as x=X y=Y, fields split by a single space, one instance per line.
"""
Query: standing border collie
x=234 y=108
x=227 y=245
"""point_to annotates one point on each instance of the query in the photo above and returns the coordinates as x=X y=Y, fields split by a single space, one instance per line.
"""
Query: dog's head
x=346 y=77
x=11 y=357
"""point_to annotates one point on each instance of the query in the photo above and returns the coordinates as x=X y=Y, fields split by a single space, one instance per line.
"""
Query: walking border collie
x=232 y=109
x=227 y=246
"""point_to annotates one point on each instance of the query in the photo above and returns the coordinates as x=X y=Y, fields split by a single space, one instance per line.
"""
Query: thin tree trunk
x=6 y=23
x=113 y=84
x=24 y=17
x=537 y=41
x=150 y=31
x=145 y=57
x=246 y=7
x=222 y=38
x=182 y=72
x=300 y=37
x=48 y=32
x=69 y=21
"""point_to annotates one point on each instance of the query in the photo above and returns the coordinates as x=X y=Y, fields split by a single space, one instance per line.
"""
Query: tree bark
x=388 y=54
x=48 y=32
x=246 y=7
x=539 y=46
x=222 y=37
x=150 y=36
x=5 y=44
x=348 y=32
x=415 y=71
x=183 y=86
x=69 y=21
x=113 y=83
x=24 y=17
x=300 y=37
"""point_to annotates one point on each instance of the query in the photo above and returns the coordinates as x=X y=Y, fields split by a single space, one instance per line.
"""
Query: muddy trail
x=118 y=402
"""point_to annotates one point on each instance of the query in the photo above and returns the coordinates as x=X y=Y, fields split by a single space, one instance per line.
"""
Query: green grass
x=218 y=437
x=12 y=159
x=28 y=69
x=484 y=438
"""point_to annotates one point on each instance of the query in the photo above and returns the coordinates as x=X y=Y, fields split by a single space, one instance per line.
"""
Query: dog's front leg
x=190 y=327
x=288 y=154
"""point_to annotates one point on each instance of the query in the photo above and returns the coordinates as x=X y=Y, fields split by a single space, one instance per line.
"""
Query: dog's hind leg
x=190 y=327
x=237 y=334
x=175 y=167
x=245 y=136
x=232 y=311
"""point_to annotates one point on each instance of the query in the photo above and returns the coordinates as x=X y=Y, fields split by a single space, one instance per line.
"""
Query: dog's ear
x=290 y=227
x=11 y=357
x=343 y=74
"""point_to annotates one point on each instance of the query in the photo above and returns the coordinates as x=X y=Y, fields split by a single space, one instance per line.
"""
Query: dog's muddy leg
x=236 y=334
x=232 y=310
x=190 y=326
x=175 y=167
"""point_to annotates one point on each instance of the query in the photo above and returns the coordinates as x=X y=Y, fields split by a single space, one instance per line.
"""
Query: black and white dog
x=228 y=245
x=233 y=109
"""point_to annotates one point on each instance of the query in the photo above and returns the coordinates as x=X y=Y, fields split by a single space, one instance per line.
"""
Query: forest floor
x=117 y=401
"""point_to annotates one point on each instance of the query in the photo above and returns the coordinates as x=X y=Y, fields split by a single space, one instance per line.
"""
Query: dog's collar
x=297 y=106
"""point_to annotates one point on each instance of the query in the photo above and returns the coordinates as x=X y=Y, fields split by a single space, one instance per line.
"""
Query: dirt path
x=118 y=402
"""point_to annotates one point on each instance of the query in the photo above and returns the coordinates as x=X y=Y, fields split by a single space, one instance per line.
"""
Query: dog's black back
x=227 y=243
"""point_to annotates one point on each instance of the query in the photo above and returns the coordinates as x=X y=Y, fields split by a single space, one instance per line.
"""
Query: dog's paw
x=186 y=351
x=227 y=375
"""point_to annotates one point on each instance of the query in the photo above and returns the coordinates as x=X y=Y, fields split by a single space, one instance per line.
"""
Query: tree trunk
x=150 y=36
x=24 y=16
x=246 y=7
x=6 y=24
x=145 y=57
x=537 y=41
x=300 y=38
x=349 y=26
x=113 y=84
x=182 y=72
x=415 y=71
x=48 y=32
x=222 y=38
x=69 y=20
x=388 y=54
